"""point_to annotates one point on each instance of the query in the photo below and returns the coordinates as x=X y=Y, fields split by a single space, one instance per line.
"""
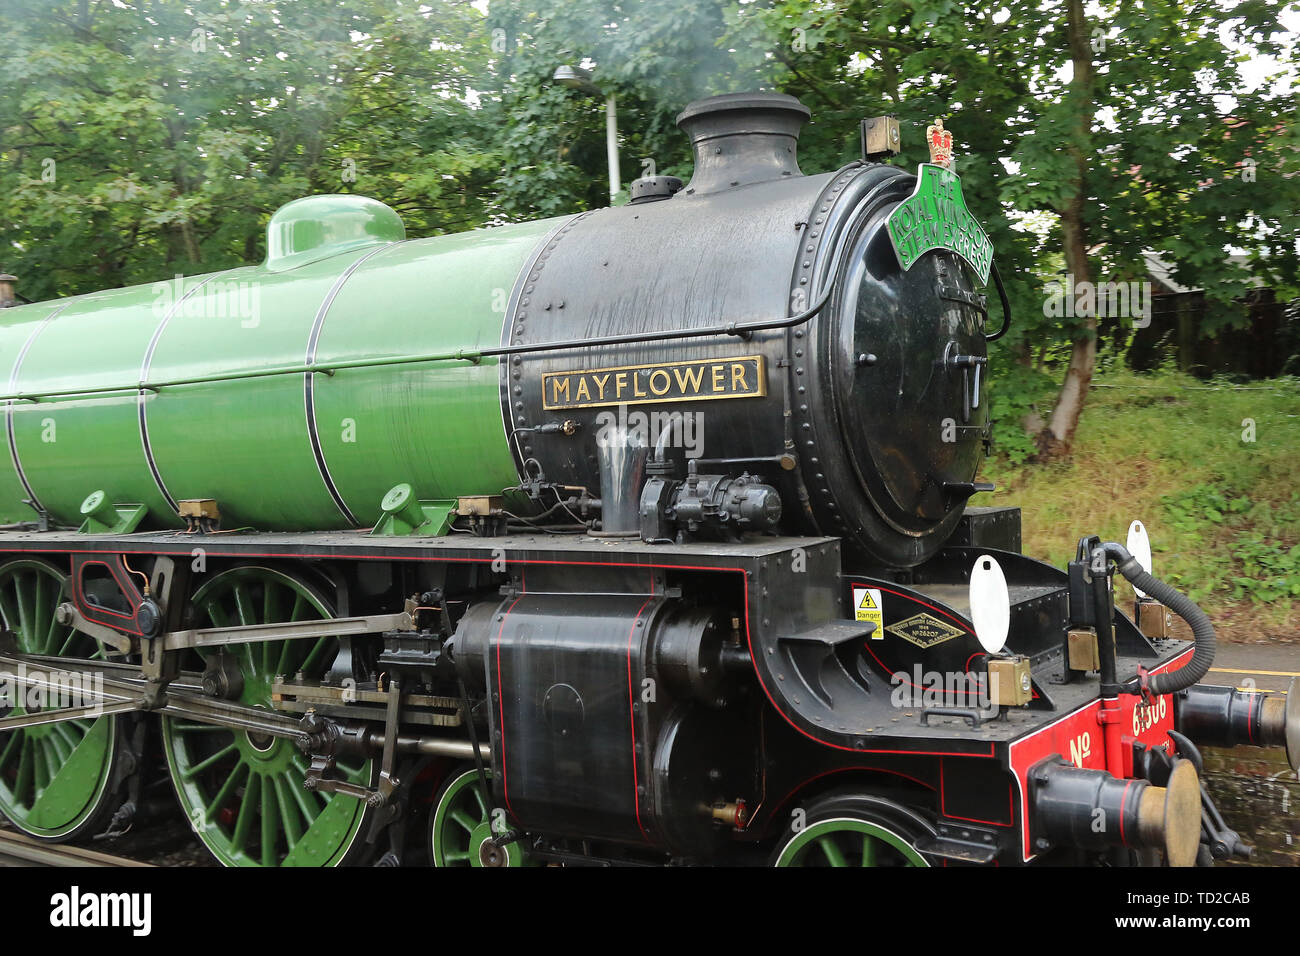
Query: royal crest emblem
x=940 y=141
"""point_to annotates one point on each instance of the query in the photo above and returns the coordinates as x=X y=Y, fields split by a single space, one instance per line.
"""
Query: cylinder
x=1227 y=717
x=1091 y=809
x=622 y=455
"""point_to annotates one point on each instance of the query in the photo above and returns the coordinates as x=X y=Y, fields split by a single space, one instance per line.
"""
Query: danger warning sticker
x=867 y=607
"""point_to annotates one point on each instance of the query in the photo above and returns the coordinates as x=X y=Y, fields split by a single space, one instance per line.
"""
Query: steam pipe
x=1202 y=630
x=742 y=329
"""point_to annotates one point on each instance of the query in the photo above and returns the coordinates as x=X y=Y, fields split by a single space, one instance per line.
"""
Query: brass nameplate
x=690 y=381
x=924 y=630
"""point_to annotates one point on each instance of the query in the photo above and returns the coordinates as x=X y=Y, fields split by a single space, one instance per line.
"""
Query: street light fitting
x=576 y=78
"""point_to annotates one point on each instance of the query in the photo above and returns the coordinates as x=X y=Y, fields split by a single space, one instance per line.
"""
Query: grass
x=1212 y=469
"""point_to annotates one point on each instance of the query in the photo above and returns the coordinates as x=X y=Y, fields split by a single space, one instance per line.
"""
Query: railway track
x=19 y=850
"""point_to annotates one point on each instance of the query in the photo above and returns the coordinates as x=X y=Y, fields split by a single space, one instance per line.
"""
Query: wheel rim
x=243 y=792
x=53 y=778
x=461 y=829
x=845 y=841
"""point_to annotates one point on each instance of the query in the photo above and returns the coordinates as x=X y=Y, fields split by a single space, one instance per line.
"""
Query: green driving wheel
x=848 y=842
x=55 y=779
x=852 y=829
x=243 y=791
x=461 y=827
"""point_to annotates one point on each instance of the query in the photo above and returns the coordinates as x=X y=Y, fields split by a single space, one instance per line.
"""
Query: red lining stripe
x=992 y=752
x=631 y=711
x=79 y=597
x=1123 y=803
x=501 y=708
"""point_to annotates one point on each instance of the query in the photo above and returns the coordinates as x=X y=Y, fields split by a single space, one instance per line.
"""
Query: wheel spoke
x=51 y=756
x=25 y=617
x=272 y=611
x=26 y=772
x=244 y=605
x=237 y=773
x=217 y=614
x=195 y=769
x=269 y=817
x=40 y=772
x=9 y=611
x=45 y=795
x=58 y=749
x=313 y=658
x=288 y=814
x=14 y=737
x=282 y=663
x=244 y=653
x=67 y=642
x=268 y=824
x=868 y=850
x=831 y=851
x=39 y=624
x=244 y=820
x=299 y=793
x=464 y=819
x=68 y=734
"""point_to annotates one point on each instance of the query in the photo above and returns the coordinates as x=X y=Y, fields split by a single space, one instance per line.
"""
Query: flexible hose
x=1202 y=630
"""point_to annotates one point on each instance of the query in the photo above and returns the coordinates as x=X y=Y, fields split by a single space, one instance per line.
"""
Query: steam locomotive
x=636 y=536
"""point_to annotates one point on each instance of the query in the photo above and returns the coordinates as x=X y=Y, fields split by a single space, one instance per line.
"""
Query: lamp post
x=575 y=77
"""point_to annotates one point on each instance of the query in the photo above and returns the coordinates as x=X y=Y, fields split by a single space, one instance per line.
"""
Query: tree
x=147 y=138
x=1085 y=134
x=1140 y=146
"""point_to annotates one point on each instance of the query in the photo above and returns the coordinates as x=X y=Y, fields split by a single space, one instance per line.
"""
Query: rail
x=19 y=850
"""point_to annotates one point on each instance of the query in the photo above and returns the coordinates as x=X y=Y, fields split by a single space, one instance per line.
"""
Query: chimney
x=742 y=138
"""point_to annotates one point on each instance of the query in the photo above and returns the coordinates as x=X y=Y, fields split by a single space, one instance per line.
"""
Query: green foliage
x=1188 y=511
x=1209 y=468
x=1263 y=567
x=173 y=128
x=1270 y=572
x=177 y=126
x=141 y=140
x=1016 y=393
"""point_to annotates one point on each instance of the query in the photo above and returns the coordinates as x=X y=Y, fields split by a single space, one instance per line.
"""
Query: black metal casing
x=865 y=396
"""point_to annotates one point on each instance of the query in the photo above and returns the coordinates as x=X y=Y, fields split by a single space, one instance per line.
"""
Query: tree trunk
x=1056 y=439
